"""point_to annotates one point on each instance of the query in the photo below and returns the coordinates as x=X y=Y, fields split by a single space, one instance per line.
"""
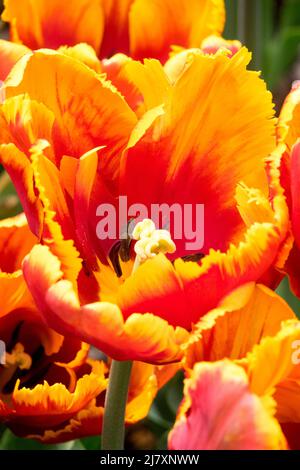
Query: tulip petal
x=247 y=315
x=175 y=163
x=116 y=33
x=156 y=25
x=220 y=413
x=10 y=53
x=274 y=356
x=141 y=337
x=40 y=23
x=83 y=118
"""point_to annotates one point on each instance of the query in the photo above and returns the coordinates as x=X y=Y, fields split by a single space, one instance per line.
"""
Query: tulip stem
x=113 y=431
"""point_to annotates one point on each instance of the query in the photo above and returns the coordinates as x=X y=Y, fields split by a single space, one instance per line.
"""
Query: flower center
x=17 y=359
x=150 y=242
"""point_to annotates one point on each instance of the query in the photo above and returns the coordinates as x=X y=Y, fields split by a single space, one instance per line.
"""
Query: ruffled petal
x=247 y=315
x=53 y=403
x=219 y=412
x=277 y=357
x=141 y=337
x=84 y=53
x=173 y=159
x=88 y=110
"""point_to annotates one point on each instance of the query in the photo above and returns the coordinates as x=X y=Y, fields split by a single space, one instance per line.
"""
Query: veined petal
x=116 y=32
x=155 y=26
x=219 y=412
x=88 y=110
x=40 y=23
x=274 y=356
x=141 y=337
x=242 y=319
x=178 y=159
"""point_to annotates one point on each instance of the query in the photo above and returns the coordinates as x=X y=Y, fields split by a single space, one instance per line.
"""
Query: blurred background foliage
x=271 y=30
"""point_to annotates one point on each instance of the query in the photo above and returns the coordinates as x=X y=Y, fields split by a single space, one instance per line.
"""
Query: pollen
x=150 y=241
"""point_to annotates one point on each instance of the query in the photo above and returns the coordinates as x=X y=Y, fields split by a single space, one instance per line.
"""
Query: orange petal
x=220 y=413
x=16 y=241
x=157 y=25
x=141 y=337
x=88 y=111
x=45 y=24
x=173 y=159
x=275 y=357
x=247 y=315
x=88 y=422
x=84 y=53
x=54 y=403
x=142 y=391
x=10 y=53
x=181 y=58
x=288 y=128
x=22 y=122
x=52 y=231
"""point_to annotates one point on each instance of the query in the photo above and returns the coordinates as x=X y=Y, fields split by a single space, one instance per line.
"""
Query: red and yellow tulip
x=50 y=389
x=284 y=164
x=70 y=141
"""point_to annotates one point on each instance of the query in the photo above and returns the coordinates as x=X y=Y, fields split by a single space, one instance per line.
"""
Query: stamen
x=151 y=242
x=18 y=358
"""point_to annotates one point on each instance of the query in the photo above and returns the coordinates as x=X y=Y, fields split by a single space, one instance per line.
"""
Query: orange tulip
x=284 y=164
x=256 y=330
x=140 y=28
x=71 y=147
x=49 y=389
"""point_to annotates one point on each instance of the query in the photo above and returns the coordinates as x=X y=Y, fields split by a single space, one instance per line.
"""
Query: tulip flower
x=50 y=390
x=70 y=148
x=139 y=28
x=284 y=164
x=256 y=330
x=219 y=412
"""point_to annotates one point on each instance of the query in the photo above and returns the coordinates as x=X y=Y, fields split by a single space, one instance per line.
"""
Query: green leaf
x=164 y=409
x=11 y=442
x=290 y=13
x=285 y=292
x=9 y=201
x=91 y=443
x=281 y=53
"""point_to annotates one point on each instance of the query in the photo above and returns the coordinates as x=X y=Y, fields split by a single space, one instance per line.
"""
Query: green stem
x=113 y=430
